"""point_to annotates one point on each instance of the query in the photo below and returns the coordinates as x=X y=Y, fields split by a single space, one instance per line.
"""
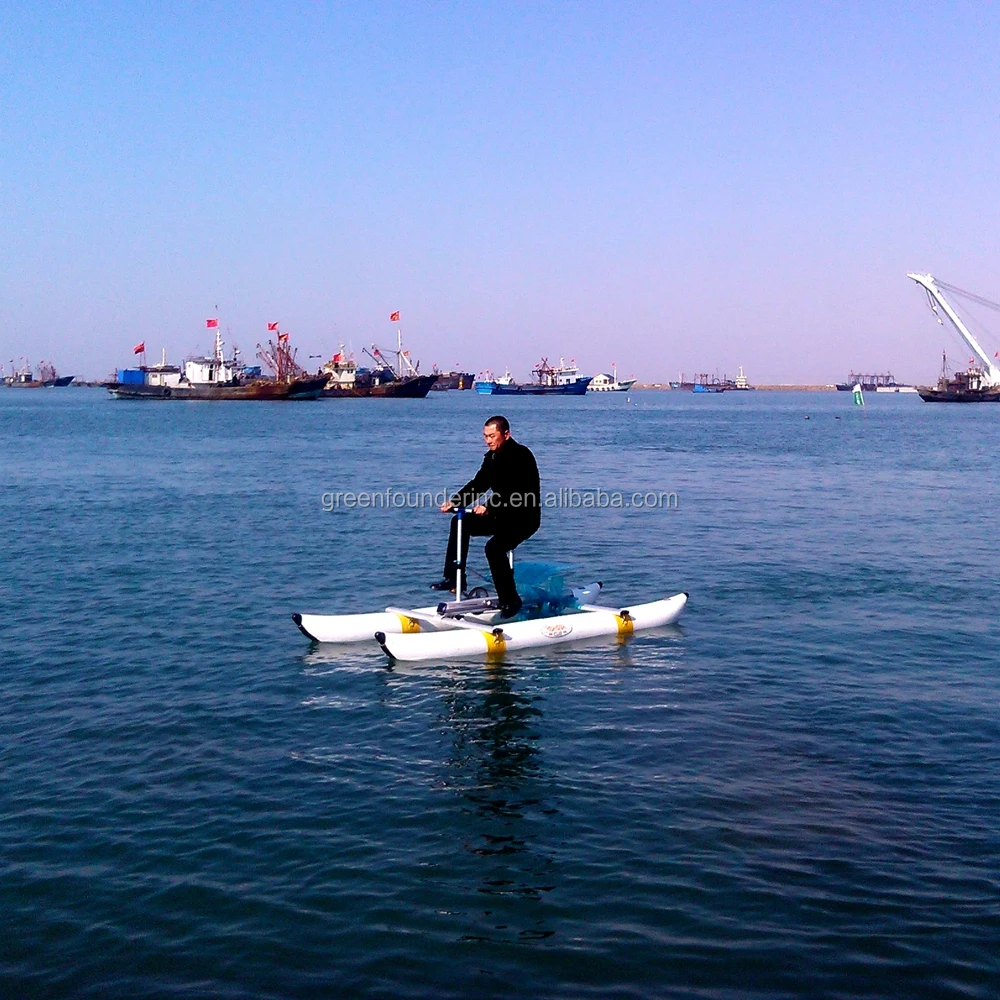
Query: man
x=511 y=514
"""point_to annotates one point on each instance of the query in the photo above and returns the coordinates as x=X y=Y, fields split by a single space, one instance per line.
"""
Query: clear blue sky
x=669 y=186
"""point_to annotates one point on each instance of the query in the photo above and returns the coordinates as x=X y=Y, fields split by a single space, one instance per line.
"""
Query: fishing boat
x=970 y=386
x=216 y=377
x=550 y=380
x=981 y=382
x=24 y=378
x=868 y=383
x=708 y=383
x=403 y=381
x=452 y=380
x=487 y=383
x=712 y=383
x=603 y=382
x=741 y=383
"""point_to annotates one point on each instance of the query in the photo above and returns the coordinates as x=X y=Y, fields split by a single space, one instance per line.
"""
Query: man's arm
x=472 y=490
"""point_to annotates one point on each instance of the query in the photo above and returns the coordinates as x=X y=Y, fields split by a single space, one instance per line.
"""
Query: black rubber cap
x=297 y=619
x=380 y=637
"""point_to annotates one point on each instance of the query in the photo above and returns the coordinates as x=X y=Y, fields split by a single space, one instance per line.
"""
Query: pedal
x=473 y=606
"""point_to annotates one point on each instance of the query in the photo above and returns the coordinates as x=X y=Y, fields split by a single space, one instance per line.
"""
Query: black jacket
x=512 y=475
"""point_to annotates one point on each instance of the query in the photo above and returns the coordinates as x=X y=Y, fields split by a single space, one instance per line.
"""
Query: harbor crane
x=935 y=298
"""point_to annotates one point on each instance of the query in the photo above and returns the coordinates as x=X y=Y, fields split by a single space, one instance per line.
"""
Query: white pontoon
x=471 y=627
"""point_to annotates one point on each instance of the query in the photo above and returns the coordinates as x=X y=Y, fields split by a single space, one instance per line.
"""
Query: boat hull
x=494 y=643
x=415 y=387
x=49 y=383
x=931 y=395
x=453 y=380
x=577 y=388
x=303 y=388
x=613 y=386
x=361 y=628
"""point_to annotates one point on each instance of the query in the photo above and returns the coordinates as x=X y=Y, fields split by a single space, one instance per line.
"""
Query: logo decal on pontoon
x=556 y=631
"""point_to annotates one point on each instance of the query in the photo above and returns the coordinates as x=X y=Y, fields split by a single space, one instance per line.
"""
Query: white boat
x=428 y=634
x=477 y=642
x=603 y=382
x=471 y=627
x=362 y=628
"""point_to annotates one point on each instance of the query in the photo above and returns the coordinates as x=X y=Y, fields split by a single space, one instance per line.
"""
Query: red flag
x=394 y=317
x=211 y=323
x=338 y=358
x=139 y=348
x=282 y=338
x=271 y=327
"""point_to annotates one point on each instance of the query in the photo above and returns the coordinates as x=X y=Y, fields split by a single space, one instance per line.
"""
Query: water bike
x=471 y=628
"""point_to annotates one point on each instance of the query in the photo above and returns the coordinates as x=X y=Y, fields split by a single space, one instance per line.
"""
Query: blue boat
x=708 y=383
x=488 y=386
x=549 y=381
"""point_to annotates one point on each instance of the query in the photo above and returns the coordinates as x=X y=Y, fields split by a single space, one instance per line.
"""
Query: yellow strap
x=626 y=626
x=408 y=624
x=496 y=646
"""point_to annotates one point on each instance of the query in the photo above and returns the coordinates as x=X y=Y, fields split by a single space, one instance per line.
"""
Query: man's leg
x=503 y=576
x=472 y=524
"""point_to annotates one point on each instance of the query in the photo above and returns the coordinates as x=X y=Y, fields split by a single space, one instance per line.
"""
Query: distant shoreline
x=766 y=388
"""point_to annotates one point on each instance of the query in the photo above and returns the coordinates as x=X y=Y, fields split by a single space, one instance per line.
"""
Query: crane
x=935 y=297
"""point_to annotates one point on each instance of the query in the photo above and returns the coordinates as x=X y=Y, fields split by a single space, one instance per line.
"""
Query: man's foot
x=444 y=585
x=509 y=610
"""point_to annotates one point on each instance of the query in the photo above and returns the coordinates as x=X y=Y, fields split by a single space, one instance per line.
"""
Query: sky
x=674 y=187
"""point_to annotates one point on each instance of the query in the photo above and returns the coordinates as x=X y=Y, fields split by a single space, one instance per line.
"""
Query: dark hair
x=501 y=424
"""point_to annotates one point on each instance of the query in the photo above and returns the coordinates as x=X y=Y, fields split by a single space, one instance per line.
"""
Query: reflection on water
x=496 y=766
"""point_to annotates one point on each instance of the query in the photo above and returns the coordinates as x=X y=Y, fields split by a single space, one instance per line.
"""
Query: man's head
x=495 y=431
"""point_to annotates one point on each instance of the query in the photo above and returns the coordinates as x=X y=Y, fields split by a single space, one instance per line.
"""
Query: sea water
x=795 y=792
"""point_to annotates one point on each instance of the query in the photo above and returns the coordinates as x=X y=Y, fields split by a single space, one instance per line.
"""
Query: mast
x=991 y=374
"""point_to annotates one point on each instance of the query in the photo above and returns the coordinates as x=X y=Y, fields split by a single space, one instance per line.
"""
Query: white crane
x=935 y=296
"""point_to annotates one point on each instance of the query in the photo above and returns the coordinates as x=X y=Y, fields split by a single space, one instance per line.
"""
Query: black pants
x=505 y=537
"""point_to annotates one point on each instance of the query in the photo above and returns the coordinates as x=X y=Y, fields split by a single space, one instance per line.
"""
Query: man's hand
x=447 y=507
x=479 y=509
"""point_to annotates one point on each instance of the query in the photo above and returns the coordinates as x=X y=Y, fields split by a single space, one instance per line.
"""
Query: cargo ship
x=883 y=382
x=712 y=383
